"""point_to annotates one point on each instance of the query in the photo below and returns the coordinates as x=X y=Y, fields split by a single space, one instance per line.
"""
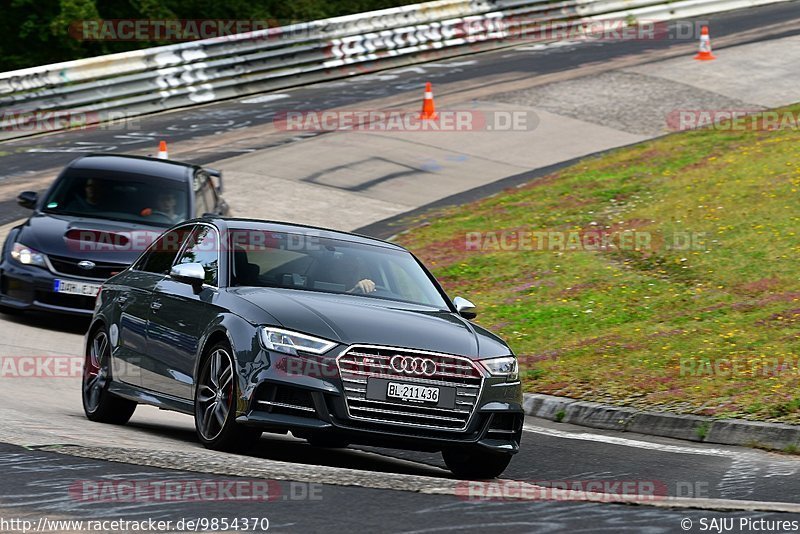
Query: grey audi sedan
x=254 y=326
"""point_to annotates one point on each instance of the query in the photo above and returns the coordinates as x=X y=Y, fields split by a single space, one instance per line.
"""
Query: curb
x=773 y=436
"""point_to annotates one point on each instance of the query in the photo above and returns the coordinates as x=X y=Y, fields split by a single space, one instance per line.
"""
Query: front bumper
x=24 y=287
x=313 y=405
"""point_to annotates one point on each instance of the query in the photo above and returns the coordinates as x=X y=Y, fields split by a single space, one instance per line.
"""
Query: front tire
x=475 y=464
x=99 y=404
x=215 y=404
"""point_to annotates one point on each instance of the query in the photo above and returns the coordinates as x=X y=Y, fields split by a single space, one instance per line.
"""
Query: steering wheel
x=379 y=290
x=357 y=291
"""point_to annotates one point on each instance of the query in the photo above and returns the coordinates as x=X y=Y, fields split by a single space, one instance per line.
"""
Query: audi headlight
x=290 y=342
x=27 y=255
x=506 y=367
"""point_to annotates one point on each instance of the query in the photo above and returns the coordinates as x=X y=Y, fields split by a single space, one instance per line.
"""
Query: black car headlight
x=290 y=342
x=506 y=367
x=28 y=256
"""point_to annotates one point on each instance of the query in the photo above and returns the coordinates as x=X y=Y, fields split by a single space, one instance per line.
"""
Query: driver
x=165 y=206
x=166 y=202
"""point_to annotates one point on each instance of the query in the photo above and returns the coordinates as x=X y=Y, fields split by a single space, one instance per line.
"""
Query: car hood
x=352 y=319
x=58 y=235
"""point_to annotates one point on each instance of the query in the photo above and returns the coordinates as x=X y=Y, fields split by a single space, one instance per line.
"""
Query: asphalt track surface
x=40 y=483
x=391 y=489
x=53 y=494
x=46 y=484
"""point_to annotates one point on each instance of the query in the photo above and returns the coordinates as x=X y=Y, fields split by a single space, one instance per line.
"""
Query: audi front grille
x=361 y=363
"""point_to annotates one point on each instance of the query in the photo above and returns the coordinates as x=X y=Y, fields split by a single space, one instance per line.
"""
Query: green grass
x=692 y=331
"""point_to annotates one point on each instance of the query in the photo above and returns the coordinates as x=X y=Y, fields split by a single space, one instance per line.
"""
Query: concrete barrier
x=773 y=436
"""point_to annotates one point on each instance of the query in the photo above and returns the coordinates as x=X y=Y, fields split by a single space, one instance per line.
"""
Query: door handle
x=122 y=299
x=155 y=305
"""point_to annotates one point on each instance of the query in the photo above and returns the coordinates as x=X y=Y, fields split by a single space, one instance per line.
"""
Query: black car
x=253 y=326
x=97 y=217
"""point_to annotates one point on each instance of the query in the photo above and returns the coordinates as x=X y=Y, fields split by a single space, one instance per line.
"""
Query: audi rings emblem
x=413 y=366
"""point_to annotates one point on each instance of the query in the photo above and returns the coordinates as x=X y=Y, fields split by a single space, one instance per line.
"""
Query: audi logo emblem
x=413 y=366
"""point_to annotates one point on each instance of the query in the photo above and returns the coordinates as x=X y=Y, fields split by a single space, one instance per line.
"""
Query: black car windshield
x=313 y=263
x=123 y=197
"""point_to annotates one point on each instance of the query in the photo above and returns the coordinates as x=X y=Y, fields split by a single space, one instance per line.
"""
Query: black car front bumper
x=24 y=287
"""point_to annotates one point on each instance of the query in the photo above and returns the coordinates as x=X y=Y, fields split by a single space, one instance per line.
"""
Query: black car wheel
x=475 y=464
x=215 y=404
x=98 y=403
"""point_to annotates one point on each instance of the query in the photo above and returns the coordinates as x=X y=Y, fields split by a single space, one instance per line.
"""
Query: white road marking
x=264 y=98
x=738 y=481
x=626 y=442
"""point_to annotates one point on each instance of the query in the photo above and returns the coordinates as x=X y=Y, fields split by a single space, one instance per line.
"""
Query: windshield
x=125 y=197
x=313 y=263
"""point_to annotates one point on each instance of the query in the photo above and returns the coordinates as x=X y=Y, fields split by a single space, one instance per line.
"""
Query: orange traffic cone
x=162 y=150
x=705 y=46
x=428 y=109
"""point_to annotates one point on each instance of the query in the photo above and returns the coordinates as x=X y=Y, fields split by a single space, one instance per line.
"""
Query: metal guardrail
x=145 y=81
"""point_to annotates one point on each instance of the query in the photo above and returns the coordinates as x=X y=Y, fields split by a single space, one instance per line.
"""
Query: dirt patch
x=788 y=296
x=786 y=317
x=576 y=289
x=758 y=287
x=668 y=333
x=547 y=355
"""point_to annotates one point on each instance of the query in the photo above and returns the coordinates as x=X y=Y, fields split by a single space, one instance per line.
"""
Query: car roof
x=227 y=223
x=123 y=163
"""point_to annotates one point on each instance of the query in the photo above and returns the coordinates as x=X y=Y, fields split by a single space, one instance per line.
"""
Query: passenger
x=95 y=192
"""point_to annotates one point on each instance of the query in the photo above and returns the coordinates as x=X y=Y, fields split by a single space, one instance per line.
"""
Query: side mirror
x=189 y=273
x=465 y=308
x=218 y=175
x=28 y=199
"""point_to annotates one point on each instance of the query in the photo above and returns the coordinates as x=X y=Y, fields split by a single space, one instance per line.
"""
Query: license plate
x=408 y=392
x=76 y=288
